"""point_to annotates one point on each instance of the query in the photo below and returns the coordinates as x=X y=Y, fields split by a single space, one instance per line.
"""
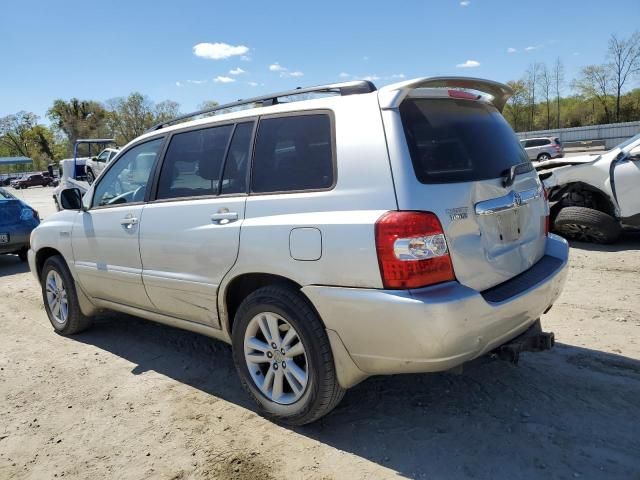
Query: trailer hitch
x=532 y=340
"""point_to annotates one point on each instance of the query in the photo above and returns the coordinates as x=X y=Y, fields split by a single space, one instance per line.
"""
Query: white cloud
x=531 y=48
x=344 y=75
x=197 y=82
x=371 y=78
x=468 y=64
x=297 y=73
x=218 y=51
x=245 y=58
x=276 y=67
x=397 y=76
x=179 y=84
x=252 y=84
x=223 y=79
x=236 y=71
x=511 y=50
x=465 y=3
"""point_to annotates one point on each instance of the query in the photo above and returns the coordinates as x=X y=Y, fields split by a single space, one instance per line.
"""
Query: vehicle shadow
x=627 y=241
x=11 y=265
x=568 y=413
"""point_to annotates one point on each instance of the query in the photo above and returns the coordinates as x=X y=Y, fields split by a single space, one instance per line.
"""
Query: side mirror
x=71 y=199
x=634 y=154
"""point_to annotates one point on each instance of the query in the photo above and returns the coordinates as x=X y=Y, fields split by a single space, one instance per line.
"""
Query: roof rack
x=345 y=88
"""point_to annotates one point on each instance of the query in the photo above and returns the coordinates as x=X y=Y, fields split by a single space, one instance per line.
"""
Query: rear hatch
x=462 y=152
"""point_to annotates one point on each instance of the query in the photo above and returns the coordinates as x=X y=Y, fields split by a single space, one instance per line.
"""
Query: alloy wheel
x=276 y=358
x=57 y=297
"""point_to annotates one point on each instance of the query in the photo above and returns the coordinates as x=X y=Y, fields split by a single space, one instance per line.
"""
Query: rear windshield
x=458 y=140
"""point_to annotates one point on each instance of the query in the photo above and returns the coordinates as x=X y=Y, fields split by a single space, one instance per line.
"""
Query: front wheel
x=544 y=156
x=283 y=356
x=90 y=177
x=587 y=225
x=60 y=298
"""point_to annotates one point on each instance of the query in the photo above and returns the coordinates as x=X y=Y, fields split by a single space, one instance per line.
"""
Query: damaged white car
x=593 y=198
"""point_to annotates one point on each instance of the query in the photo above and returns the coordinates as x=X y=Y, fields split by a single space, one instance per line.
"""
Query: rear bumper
x=440 y=327
x=17 y=242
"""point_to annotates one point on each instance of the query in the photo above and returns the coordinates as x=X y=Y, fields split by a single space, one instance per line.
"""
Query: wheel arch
x=43 y=254
x=581 y=194
x=243 y=285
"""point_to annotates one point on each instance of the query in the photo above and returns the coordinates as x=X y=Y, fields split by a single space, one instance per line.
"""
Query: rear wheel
x=587 y=225
x=22 y=255
x=282 y=354
x=60 y=298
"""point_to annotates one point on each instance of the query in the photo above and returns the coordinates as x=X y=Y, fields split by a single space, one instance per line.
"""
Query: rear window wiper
x=509 y=175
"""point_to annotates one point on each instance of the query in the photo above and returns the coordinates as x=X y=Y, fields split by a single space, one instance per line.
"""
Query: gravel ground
x=131 y=399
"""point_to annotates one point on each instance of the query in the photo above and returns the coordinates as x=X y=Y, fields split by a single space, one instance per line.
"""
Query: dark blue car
x=17 y=219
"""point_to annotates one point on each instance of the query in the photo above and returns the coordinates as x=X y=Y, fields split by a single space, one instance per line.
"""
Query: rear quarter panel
x=345 y=215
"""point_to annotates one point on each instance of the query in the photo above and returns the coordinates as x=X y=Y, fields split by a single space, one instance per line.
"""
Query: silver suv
x=541 y=149
x=351 y=233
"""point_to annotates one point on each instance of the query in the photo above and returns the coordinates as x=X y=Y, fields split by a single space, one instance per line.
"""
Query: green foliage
x=22 y=136
x=78 y=119
x=130 y=117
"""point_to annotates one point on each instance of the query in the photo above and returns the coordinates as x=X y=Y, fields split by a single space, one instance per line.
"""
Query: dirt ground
x=131 y=399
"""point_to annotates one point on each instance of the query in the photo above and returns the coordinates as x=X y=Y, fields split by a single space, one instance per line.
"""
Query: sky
x=191 y=50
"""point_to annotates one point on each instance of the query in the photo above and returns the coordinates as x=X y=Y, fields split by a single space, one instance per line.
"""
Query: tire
x=90 y=177
x=74 y=322
x=22 y=255
x=544 y=156
x=587 y=225
x=321 y=392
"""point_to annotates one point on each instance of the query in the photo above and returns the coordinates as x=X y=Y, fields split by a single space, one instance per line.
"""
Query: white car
x=593 y=198
x=96 y=165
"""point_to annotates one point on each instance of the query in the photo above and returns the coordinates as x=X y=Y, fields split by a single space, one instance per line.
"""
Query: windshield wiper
x=509 y=175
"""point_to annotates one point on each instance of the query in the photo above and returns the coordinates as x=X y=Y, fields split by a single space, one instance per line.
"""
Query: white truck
x=81 y=172
x=594 y=198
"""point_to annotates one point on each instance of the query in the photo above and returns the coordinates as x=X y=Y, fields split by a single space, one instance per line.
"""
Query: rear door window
x=293 y=153
x=193 y=163
x=458 y=140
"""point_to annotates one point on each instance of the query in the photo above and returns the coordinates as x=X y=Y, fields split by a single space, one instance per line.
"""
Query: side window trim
x=152 y=193
x=334 y=162
x=110 y=165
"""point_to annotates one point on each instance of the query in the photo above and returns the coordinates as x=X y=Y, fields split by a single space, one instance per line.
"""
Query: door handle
x=222 y=218
x=129 y=222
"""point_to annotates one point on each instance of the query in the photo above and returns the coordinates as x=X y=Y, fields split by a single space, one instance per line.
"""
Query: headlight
x=26 y=214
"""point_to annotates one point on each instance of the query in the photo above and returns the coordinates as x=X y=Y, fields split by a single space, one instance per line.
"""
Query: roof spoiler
x=392 y=96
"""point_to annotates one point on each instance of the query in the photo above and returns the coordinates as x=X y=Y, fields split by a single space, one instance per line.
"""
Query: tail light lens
x=412 y=250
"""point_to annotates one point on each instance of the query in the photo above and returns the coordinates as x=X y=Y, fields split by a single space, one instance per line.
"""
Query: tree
x=78 y=118
x=558 y=82
x=545 y=81
x=595 y=82
x=531 y=79
x=624 y=56
x=207 y=104
x=130 y=117
x=516 y=108
x=21 y=135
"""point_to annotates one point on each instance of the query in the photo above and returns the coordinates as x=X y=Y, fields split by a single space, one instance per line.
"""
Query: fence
x=608 y=135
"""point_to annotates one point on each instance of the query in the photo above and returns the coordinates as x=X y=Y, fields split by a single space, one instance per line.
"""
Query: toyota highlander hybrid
x=354 y=232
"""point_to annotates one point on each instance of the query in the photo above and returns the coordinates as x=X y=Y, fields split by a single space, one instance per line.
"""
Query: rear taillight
x=547 y=211
x=412 y=250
